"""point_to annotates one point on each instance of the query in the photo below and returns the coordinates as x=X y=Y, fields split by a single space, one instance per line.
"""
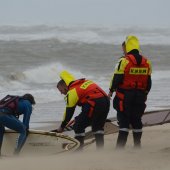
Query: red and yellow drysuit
x=94 y=103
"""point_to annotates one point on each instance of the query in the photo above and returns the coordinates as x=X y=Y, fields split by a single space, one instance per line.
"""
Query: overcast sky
x=88 y=12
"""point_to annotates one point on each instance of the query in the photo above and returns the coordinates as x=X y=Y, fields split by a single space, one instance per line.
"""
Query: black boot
x=0 y=149
x=137 y=139
x=81 y=140
x=99 y=141
x=122 y=139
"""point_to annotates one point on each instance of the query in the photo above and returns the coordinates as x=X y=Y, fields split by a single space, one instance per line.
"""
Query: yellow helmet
x=132 y=43
x=67 y=77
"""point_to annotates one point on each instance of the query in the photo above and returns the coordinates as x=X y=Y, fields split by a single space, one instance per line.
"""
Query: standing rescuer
x=94 y=102
x=131 y=83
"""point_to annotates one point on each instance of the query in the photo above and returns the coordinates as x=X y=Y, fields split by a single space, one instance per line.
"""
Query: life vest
x=9 y=104
x=87 y=91
x=135 y=76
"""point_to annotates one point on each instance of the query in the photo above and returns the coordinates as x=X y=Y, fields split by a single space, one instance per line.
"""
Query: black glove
x=55 y=130
x=108 y=120
x=59 y=130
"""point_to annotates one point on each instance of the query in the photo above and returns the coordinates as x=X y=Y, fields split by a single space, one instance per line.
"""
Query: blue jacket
x=25 y=108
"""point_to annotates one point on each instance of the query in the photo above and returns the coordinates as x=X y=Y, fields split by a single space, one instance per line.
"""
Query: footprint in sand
x=166 y=150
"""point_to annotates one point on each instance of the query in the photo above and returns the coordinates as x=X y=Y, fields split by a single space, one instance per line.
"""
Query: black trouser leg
x=137 y=139
x=2 y=130
x=100 y=113
x=99 y=141
x=81 y=140
x=122 y=139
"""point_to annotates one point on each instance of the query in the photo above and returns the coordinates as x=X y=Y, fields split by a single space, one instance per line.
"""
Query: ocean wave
x=81 y=34
x=41 y=82
x=46 y=74
x=43 y=74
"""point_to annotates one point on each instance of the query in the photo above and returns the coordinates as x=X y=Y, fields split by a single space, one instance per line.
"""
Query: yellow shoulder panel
x=120 y=66
x=72 y=98
x=150 y=67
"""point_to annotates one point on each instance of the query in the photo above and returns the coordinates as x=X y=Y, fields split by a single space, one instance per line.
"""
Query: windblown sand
x=154 y=155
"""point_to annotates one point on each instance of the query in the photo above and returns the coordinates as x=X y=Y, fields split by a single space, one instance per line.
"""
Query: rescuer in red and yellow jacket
x=131 y=82
x=94 y=102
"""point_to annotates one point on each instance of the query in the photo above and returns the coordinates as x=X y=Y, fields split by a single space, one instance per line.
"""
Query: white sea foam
x=41 y=82
x=49 y=74
x=81 y=34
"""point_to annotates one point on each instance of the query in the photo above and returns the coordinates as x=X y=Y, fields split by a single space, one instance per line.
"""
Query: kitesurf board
x=157 y=117
x=39 y=143
x=151 y=118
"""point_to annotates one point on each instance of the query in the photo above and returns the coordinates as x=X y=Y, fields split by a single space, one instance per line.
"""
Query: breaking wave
x=81 y=34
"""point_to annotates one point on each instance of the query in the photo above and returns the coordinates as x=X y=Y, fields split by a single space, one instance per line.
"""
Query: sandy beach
x=154 y=155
